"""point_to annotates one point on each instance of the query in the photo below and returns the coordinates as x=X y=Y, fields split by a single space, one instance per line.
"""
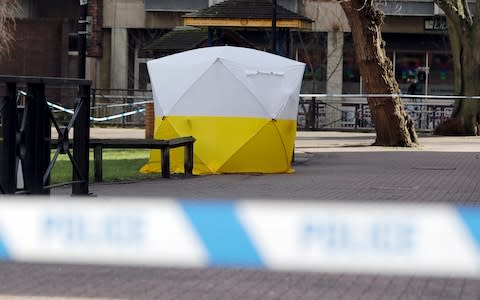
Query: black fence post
x=81 y=137
x=274 y=27
x=97 y=163
x=357 y=115
x=9 y=126
x=313 y=113
x=93 y=103
x=37 y=139
x=82 y=38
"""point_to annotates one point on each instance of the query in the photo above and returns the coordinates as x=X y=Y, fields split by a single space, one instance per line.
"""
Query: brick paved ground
x=323 y=172
x=30 y=281
x=384 y=176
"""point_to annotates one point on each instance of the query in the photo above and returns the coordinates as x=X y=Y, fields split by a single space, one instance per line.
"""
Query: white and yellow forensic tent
x=240 y=104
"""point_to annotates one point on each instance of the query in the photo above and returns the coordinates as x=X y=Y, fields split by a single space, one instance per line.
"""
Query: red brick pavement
x=452 y=177
x=35 y=281
x=415 y=176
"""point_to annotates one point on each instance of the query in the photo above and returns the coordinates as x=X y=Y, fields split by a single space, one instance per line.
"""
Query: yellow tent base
x=228 y=144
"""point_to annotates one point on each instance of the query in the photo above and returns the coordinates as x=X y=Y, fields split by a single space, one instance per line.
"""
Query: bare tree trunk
x=464 y=33
x=393 y=125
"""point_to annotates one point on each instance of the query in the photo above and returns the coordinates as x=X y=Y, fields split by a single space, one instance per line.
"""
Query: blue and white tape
x=434 y=240
x=96 y=119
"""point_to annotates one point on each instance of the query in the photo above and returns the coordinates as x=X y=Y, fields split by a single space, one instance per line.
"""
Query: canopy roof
x=183 y=38
x=246 y=13
x=180 y=38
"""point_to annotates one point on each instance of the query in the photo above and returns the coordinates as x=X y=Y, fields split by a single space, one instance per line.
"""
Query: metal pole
x=37 y=139
x=93 y=101
x=288 y=43
x=427 y=71
x=274 y=27
x=9 y=122
x=82 y=38
x=81 y=138
x=210 y=36
x=313 y=113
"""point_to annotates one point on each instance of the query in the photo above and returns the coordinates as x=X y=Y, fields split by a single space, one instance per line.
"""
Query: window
x=310 y=48
x=351 y=75
x=175 y=5
x=73 y=43
x=351 y=72
x=440 y=76
x=410 y=72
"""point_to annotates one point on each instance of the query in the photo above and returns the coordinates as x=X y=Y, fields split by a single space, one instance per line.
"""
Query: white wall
x=123 y=13
x=327 y=16
x=119 y=59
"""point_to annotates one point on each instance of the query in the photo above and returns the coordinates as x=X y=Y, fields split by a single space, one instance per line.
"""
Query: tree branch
x=476 y=24
x=466 y=12
x=456 y=10
x=8 y=8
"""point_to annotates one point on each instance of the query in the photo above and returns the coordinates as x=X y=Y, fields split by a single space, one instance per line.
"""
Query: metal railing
x=331 y=112
x=316 y=111
x=120 y=107
x=112 y=107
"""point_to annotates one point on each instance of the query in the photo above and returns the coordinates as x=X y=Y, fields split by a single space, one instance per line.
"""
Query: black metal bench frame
x=164 y=145
x=28 y=142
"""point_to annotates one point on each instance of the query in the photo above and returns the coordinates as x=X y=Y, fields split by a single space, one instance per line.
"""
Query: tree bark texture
x=393 y=125
x=8 y=8
x=464 y=33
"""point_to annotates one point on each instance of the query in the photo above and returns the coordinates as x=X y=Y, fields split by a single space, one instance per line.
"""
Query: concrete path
x=326 y=141
x=329 y=166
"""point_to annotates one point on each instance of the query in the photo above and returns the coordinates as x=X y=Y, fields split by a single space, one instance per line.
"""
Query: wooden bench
x=164 y=145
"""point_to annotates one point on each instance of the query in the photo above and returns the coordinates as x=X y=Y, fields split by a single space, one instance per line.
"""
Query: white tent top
x=226 y=81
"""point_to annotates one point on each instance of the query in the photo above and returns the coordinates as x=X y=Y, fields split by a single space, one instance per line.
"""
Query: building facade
x=414 y=31
x=43 y=45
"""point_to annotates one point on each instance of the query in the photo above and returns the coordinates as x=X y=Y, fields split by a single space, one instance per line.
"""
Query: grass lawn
x=118 y=165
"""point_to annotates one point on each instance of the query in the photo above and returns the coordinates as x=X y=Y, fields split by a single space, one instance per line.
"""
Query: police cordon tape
x=95 y=119
x=433 y=240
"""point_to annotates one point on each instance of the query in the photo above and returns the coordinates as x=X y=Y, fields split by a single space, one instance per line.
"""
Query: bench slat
x=139 y=143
